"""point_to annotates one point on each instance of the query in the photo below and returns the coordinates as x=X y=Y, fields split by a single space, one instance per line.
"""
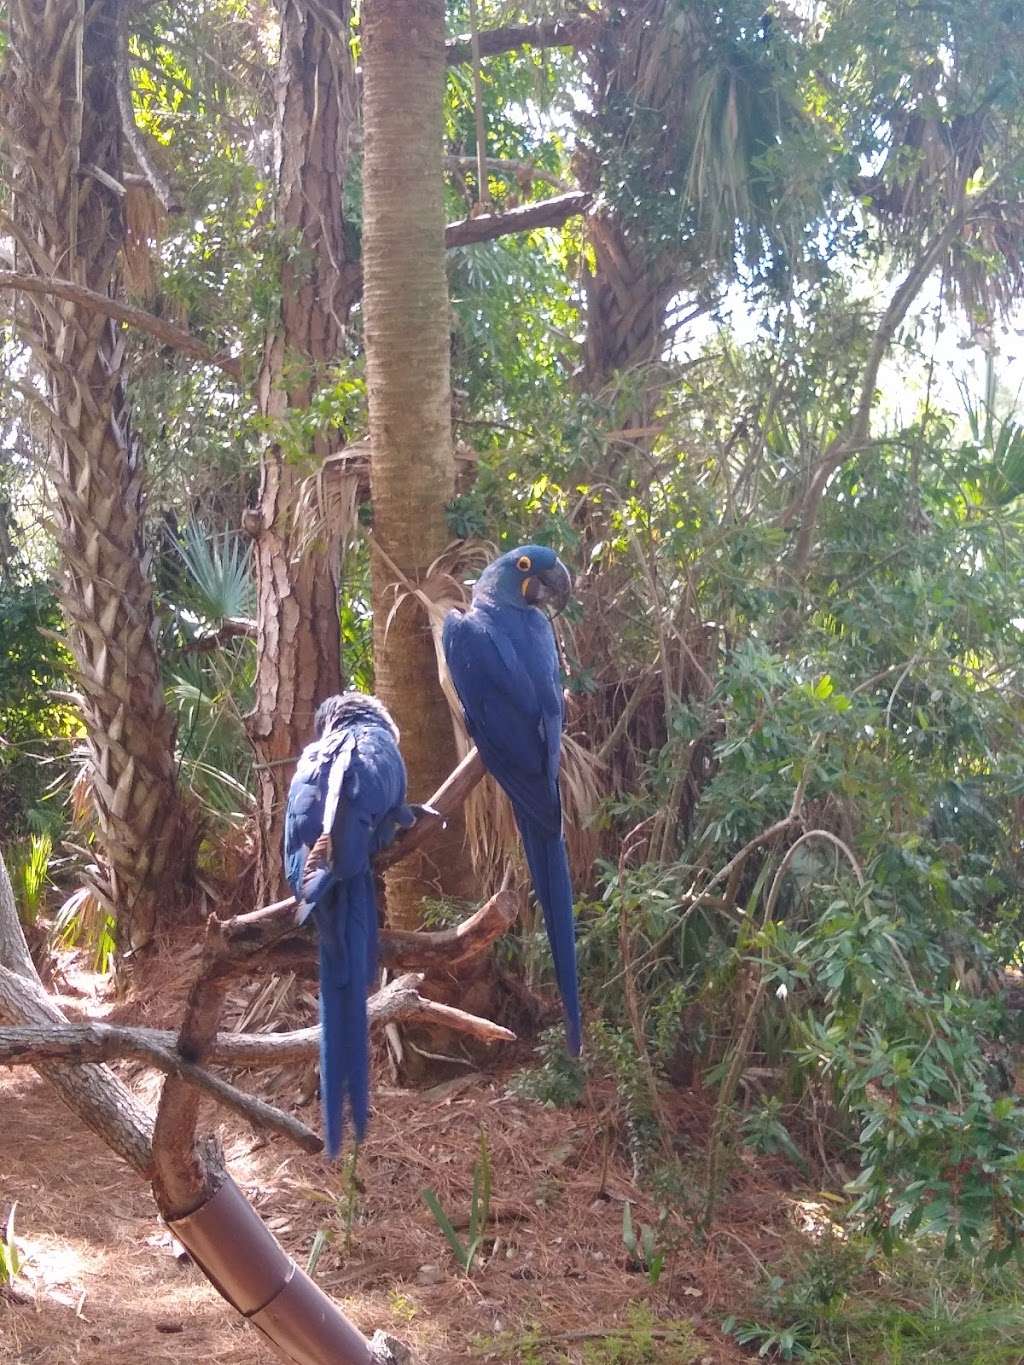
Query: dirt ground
x=102 y=1284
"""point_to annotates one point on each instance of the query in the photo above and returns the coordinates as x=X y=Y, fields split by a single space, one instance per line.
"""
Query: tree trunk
x=64 y=136
x=412 y=473
x=298 y=540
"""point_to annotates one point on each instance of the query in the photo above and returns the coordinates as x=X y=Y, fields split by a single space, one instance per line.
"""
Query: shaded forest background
x=728 y=318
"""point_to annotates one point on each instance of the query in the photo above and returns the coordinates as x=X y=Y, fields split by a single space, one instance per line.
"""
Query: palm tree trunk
x=412 y=473
x=298 y=542
x=63 y=132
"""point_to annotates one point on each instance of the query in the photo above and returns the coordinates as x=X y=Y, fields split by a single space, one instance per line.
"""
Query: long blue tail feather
x=549 y=868
x=347 y=931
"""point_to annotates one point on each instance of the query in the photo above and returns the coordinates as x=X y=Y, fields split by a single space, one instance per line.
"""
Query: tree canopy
x=732 y=321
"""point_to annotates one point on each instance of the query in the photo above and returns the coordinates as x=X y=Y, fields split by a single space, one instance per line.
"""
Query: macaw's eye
x=524 y=563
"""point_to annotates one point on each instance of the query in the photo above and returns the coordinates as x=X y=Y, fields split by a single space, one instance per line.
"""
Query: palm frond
x=218 y=578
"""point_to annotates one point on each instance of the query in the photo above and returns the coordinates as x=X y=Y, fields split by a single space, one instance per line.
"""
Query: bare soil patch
x=102 y=1284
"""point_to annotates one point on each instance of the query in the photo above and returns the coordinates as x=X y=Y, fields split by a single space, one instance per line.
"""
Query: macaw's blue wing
x=504 y=665
x=516 y=734
x=310 y=815
x=348 y=790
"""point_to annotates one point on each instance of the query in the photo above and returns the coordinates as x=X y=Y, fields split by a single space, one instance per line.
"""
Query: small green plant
x=643 y=1340
x=401 y=1306
x=559 y=1081
x=465 y=1252
x=773 y=1343
x=345 y=1206
x=764 y=1131
x=640 y=1340
x=11 y=1261
x=30 y=875
x=643 y=1249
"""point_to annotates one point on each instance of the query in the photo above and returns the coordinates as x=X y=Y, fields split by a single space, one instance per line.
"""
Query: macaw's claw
x=420 y=810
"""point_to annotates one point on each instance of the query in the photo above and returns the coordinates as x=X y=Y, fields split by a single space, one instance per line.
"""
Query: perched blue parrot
x=346 y=802
x=503 y=660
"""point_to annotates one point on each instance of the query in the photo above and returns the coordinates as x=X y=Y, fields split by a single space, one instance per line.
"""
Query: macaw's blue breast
x=504 y=664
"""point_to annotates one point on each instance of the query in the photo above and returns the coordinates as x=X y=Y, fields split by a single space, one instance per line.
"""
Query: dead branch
x=581 y=32
x=450 y=795
x=271 y=931
x=93 y=1041
x=127 y=313
x=183 y=1177
x=546 y=213
x=230 y=628
x=446 y=949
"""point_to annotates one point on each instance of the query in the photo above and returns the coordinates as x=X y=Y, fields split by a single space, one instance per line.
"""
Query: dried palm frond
x=144 y=224
x=327 y=503
x=81 y=802
x=86 y=920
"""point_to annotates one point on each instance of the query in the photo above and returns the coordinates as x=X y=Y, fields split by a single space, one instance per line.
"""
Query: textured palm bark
x=412 y=473
x=64 y=138
x=297 y=572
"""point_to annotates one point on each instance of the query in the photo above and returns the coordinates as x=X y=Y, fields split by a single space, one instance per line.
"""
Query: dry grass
x=103 y=1285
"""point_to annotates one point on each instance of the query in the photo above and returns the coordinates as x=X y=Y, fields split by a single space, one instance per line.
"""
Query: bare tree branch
x=127 y=313
x=93 y=1041
x=102 y=1101
x=545 y=213
x=450 y=795
x=580 y=32
x=100 y=1043
x=230 y=628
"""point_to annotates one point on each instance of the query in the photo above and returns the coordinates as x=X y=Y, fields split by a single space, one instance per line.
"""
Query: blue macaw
x=346 y=802
x=503 y=660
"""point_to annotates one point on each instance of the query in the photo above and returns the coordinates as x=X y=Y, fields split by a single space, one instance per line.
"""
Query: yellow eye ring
x=524 y=563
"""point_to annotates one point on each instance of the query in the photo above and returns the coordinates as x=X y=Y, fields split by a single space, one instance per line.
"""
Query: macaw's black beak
x=552 y=586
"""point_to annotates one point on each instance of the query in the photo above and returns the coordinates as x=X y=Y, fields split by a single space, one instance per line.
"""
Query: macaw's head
x=529 y=576
x=351 y=708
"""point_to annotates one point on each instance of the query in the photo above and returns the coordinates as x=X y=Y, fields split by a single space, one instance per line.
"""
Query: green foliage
x=838 y=1304
x=558 y=1081
x=11 y=1260
x=782 y=1343
x=30 y=871
x=218 y=581
x=465 y=1252
x=642 y=1339
x=83 y=921
x=209 y=582
x=345 y=1208
x=35 y=727
x=641 y=1245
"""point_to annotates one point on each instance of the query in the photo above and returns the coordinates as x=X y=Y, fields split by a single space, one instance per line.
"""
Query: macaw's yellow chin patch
x=530 y=589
